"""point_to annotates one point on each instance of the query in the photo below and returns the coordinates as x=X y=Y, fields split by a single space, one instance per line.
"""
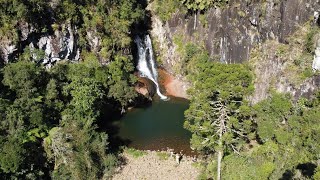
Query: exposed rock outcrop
x=145 y=87
x=172 y=85
x=284 y=68
x=60 y=45
x=316 y=60
x=7 y=48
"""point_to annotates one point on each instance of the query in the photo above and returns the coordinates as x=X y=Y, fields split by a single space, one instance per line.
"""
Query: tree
x=196 y=5
x=86 y=96
x=78 y=151
x=291 y=129
x=317 y=174
x=218 y=116
x=201 y=5
x=68 y=97
x=12 y=155
x=120 y=80
x=166 y=8
x=25 y=78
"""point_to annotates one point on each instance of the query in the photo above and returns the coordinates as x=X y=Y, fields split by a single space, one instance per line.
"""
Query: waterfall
x=146 y=62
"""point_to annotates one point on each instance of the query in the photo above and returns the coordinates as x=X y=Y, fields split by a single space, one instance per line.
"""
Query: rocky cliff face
x=229 y=34
x=61 y=44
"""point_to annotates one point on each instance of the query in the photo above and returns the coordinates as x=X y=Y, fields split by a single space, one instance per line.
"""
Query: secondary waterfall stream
x=146 y=62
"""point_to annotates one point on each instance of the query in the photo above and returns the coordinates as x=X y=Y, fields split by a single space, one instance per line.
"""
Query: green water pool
x=157 y=127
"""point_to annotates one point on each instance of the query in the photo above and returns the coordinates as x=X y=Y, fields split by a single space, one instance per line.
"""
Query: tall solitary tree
x=218 y=116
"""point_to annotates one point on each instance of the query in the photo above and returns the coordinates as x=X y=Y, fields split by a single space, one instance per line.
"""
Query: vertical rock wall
x=230 y=33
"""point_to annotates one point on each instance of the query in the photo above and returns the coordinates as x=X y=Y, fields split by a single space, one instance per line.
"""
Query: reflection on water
x=157 y=127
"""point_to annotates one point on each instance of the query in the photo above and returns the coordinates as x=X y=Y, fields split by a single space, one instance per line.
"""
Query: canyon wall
x=229 y=34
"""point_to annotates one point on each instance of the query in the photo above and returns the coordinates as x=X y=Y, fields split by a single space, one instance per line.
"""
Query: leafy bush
x=200 y=5
x=166 y=8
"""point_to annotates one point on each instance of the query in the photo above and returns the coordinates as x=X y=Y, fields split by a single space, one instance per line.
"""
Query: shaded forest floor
x=156 y=165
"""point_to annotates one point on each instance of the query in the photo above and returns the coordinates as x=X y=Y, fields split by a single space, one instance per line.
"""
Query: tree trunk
x=195 y=21
x=219 y=165
x=220 y=150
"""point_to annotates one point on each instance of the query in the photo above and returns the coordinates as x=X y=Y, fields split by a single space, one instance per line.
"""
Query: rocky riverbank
x=156 y=165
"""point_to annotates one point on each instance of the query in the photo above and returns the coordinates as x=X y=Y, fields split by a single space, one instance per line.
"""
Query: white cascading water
x=146 y=63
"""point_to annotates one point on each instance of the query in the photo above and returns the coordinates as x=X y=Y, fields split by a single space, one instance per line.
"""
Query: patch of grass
x=134 y=152
x=310 y=39
x=203 y=20
x=157 y=50
x=307 y=73
x=282 y=50
x=163 y=155
x=241 y=13
x=197 y=165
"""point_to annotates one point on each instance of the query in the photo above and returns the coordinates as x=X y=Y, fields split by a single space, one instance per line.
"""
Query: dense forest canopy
x=53 y=114
x=49 y=117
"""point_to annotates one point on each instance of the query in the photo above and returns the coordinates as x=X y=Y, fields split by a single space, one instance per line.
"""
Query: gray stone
x=230 y=36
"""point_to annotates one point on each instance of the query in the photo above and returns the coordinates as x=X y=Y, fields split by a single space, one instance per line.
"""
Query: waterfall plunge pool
x=157 y=127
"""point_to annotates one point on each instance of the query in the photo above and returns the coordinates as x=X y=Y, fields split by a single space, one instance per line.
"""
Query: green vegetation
x=190 y=54
x=14 y=11
x=109 y=20
x=218 y=114
x=163 y=155
x=201 y=5
x=49 y=118
x=244 y=141
x=166 y=8
x=134 y=152
x=296 y=56
x=60 y=109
